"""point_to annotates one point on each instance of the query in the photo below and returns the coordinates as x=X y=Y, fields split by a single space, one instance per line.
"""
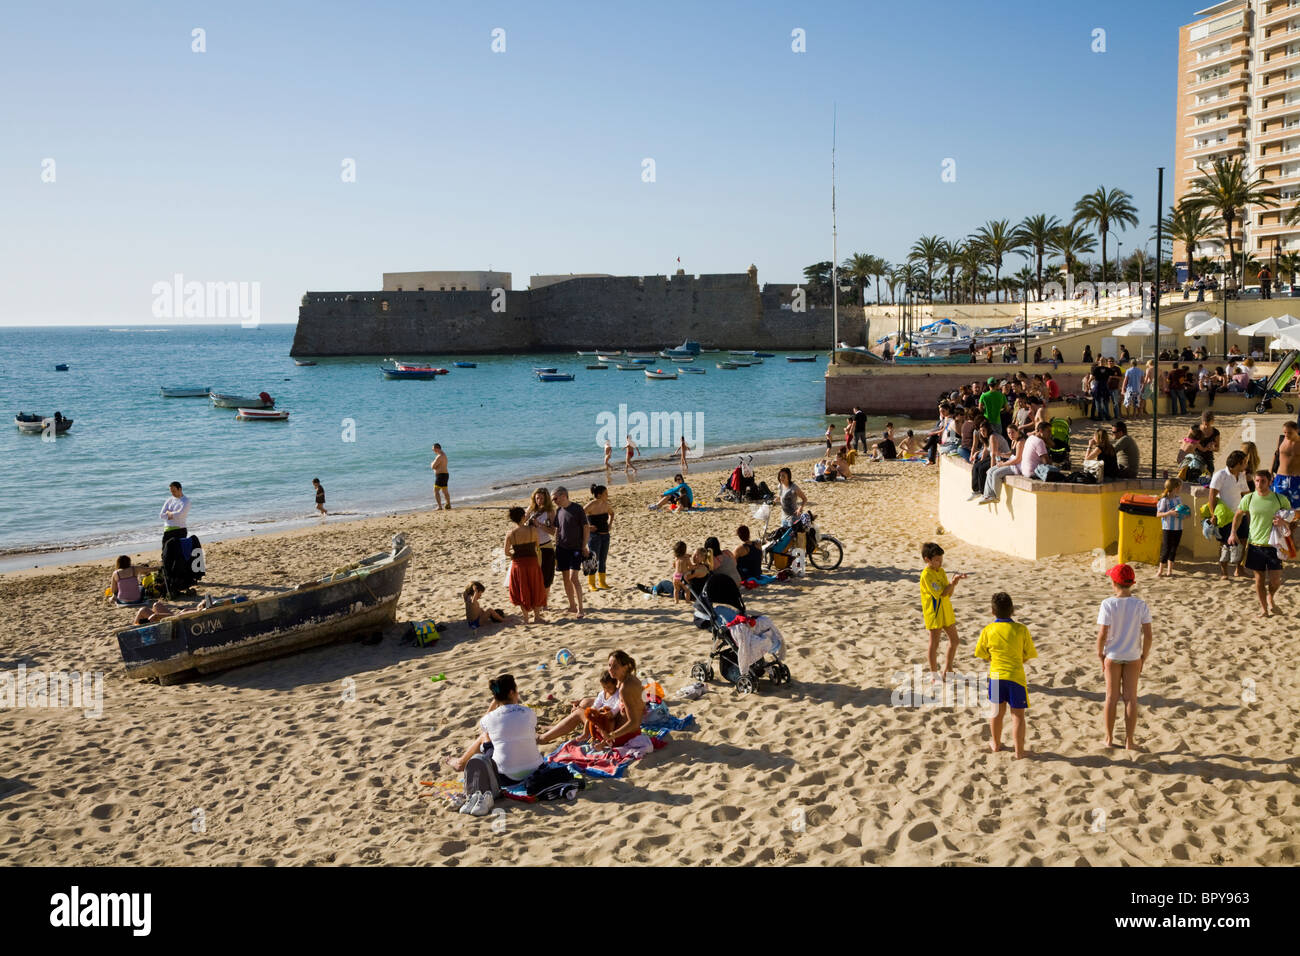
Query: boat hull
x=34 y=425
x=261 y=415
x=411 y=374
x=232 y=635
x=238 y=401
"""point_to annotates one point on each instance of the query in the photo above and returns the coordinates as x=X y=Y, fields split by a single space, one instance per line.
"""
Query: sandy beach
x=273 y=763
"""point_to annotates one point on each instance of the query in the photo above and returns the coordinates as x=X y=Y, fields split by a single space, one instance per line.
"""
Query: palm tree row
x=1214 y=203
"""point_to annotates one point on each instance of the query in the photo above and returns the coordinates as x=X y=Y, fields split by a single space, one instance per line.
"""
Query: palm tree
x=953 y=252
x=972 y=260
x=880 y=269
x=930 y=250
x=859 y=268
x=1069 y=242
x=1033 y=233
x=1103 y=209
x=1188 y=225
x=1225 y=191
x=898 y=275
x=1288 y=263
x=998 y=238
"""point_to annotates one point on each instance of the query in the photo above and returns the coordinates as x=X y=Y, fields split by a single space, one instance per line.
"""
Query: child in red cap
x=1123 y=644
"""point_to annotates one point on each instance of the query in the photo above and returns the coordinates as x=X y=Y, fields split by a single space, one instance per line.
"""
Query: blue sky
x=225 y=165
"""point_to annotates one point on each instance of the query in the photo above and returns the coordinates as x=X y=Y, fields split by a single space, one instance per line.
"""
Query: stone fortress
x=449 y=313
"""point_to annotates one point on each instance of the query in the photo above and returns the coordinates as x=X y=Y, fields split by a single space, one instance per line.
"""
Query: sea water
x=365 y=437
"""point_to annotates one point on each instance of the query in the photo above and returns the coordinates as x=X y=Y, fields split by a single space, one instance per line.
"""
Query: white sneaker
x=471 y=802
x=974 y=495
x=988 y=500
x=484 y=806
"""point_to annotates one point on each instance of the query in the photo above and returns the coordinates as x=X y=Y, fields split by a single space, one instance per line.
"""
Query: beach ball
x=564 y=656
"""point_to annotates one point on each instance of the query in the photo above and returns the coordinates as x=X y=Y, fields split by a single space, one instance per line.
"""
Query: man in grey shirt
x=1127 y=459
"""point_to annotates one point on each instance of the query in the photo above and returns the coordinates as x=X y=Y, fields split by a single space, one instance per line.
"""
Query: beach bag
x=1082 y=478
x=1191 y=468
x=590 y=564
x=1209 y=531
x=552 y=781
x=1048 y=473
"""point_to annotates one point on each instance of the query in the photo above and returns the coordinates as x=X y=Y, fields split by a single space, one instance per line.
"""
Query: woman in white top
x=506 y=752
x=607 y=699
x=541 y=515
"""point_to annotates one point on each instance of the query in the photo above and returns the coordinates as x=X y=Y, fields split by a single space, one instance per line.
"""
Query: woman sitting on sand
x=723 y=561
x=476 y=614
x=525 y=578
x=841 y=466
x=505 y=753
x=124 y=585
x=596 y=714
x=749 y=556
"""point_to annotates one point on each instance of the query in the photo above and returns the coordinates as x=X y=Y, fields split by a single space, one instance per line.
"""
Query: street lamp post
x=1225 y=311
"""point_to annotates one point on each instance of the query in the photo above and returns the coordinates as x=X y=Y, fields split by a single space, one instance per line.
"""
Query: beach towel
x=581 y=758
x=657 y=717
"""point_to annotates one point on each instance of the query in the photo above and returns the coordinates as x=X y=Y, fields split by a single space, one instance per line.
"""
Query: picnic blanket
x=657 y=717
x=594 y=761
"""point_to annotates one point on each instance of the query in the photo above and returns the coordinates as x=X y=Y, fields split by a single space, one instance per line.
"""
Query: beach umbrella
x=1209 y=327
x=1287 y=339
x=1138 y=327
x=1273 y=325
x=1196 y=317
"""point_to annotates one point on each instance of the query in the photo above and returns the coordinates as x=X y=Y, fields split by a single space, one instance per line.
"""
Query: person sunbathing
x=596 y=715
x=161 y=610
x=910 y=447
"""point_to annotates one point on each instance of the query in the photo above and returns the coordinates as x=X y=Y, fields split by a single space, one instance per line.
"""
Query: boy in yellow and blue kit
x=1006 y=645
x=936 y=605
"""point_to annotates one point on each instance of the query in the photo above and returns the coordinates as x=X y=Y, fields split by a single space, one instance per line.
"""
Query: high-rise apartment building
x=1239 y=95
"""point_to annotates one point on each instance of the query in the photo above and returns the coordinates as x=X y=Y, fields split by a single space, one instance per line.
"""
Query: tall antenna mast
x=835 y=248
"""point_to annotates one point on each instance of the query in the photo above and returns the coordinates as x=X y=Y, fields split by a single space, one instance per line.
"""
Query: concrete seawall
x=721 y=311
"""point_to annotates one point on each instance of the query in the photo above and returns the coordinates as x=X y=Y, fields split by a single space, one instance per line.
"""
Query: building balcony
x=1275 y=229
x=1235 y=77
x=1278 y=38
x=1279 y=61
x=1221 y=59
x=1226 y=101
x=1274 y=135
x=1240 y=32
x=1280 y=109
x=1279 y=14
x=1231 y=122
x=1193 y=151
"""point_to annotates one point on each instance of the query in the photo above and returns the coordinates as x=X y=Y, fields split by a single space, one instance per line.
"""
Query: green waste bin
x=1139 y=529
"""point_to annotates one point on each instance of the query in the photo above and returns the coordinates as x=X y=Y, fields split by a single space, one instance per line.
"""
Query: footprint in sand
x=922 y=832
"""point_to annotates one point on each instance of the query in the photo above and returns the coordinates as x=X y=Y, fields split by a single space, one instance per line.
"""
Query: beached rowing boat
x=359 y=599
x=222 y=400
x=184 y=391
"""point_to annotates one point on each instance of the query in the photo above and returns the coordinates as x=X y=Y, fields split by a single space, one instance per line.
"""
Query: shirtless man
x=440 y=476
x=1287 y=480
x=628 y=468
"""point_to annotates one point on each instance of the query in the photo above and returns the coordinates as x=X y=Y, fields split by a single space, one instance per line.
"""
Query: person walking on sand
x=681 y=454
x=859 y=430
x=1269 y=515
x=572 y=532
x=1123 y=645
x=628 y=468
x=609 y=450
x=175 y=514
x=320 y=496
x=936 y=607
x=1006 y=645
x=1170 y=510
x=440 y=477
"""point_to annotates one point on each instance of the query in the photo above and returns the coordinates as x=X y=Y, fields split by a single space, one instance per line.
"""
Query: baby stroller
x=740 y=486
x=182 y=565
x=1059 y=450
x=1276 y=383
x=746 y=653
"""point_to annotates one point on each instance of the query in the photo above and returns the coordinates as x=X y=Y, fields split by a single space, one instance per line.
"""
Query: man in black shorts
x=571 y=535
x=859 y=429
x=440 y=476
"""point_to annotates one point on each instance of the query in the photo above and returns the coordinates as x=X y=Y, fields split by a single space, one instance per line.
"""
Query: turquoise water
x=105 y=480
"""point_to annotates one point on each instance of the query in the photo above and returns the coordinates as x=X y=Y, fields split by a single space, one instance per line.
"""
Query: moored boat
x=222 y=400
x=692 y=371
x=739 y=352
x=597 y=368
x=763 y=355
x=418 y=374
x=261 y=415
x=36 y=424
x=545 y=370
x=555 y=376
x=801 y=358
x=61 y=367
x=677 y=354
x=691 y=347
x=727 y=366
x=659 y=374
x=184 y=391
x=361 y=598
x=609 y=356
x=302 y=364
x=630 y=368
x=465 y=364
x=642 y=360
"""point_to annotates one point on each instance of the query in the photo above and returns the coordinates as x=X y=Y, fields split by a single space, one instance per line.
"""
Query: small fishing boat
x=546 y=369
x=608 y=356
x=184 y=391
x=690 y=347
x=630 y=368
x=358 y=599
x=738 y=363
x=677 y=354
x=36 y=424
x=739 y=352
x=302 y=364
x=261 y=415
x=262 y=400
x=659 y=373
x=644 y=361
x=61 y=367
x=418 y=374
x=728 y=366
x=801 y=358
x=465 y=364
x=710 y=350
x=636 y=356
x=555 y=376
x=597 y=368
x=692 y=371
x=764 y=355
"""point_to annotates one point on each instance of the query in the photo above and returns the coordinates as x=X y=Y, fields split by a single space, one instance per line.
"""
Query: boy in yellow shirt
x=1006 y=645
x=936 y=605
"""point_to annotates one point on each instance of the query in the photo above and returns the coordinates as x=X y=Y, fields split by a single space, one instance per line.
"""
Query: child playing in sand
x=1123 y=644
x=476 y=614
x=680 y=565
x=1006 y=645
x=1170 y=510
x=320 y=496
x=936 y=605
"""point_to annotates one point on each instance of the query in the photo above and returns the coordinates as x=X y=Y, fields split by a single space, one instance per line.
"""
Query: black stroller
x=740 y=485
x=718 y=602
x=182 y=565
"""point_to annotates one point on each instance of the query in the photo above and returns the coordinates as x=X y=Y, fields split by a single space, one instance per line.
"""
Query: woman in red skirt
x=525 y=580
